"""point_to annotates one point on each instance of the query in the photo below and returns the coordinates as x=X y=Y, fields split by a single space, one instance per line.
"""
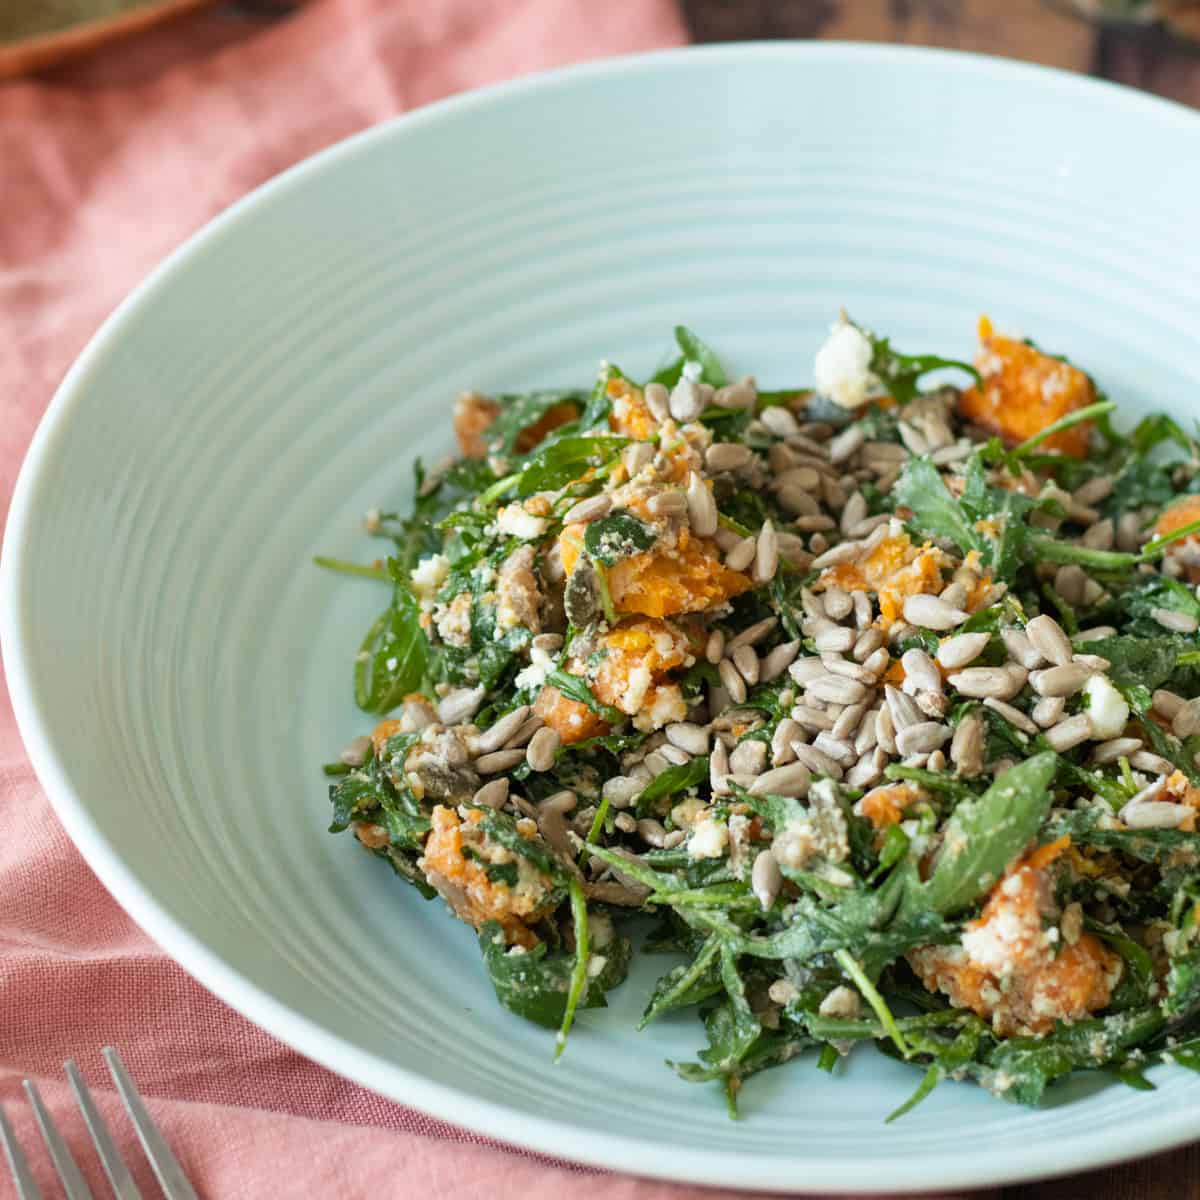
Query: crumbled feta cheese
x=666 y=706
x=1106 y=707
x=842 y=370
x=709 y=839
x=534 y=675
x=691 y=371
x=428 y=576
x=513 y=520
x=638 y=686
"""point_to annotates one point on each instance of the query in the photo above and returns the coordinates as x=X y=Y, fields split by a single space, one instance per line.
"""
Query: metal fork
x=166 y=1167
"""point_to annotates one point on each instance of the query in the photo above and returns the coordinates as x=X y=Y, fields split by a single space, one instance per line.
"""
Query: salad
x=873 y=705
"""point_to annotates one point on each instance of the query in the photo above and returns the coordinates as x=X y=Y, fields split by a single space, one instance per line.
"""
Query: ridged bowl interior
x=180 y=669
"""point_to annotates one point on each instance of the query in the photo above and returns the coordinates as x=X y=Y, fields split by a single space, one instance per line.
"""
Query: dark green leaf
x=936 y=513
x=394 y=655
x=672 y=781
x=900 y=373
x=616 y=536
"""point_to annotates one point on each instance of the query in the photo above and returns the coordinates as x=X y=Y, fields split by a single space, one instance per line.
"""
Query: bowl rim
x=968 y=1167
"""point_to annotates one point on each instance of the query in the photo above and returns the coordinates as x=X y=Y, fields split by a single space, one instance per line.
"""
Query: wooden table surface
x=1151 y=58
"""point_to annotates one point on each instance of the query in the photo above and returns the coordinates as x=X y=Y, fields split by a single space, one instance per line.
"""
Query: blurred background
x=1151 y=44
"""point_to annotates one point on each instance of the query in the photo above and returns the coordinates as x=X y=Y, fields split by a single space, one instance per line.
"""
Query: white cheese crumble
x=1106 y=707
x=428 y=576
x=540 y=665
x=691 y=371
x=842 y=370
x=709 y=839
x=513 y=520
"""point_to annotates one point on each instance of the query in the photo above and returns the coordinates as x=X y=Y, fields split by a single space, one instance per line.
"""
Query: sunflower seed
x=1100 y=536
x=807 y=479
x=912 y=438
x=669 y=503
x=786 y=732
x=766 y=554
x=811 y=718
x=838 y=603
x=688 y=736
x=836 y=665
x=727 y=456
x=1070 y=582
x=1175 y=621
x=847 y=443
x=1186 y=722
x=980 y=682
x=354 y=753
x=843 y=553
x=543 y=749
x=817 y=761
x=956 y=652
x=866 y=772
x=1110 y=751
x=741 y=556
x=718 y=768
x=1096 y=489
x=776 y=661
x=836 y=689
x=903 y=708
x=840 y=750
x=937 y=761
x=877 y=661
x=753 y=634
x=701 y=507
x=625 y=823
x=522 y=736
x=790 y=780
x=590 y=509
x=1095 y=633
x=651 y=832
x=1155 y=814
x=1167 y=704
x=932 y=704
x=922 y=738
x=814 y=524
x=1048 y=638
x=779 y=421
x=885 y=730
x=748 y=758
x=866 y=738
x=967 y=746
x=929 y=612
x=747 y=663
x=1059 y=681
x=499 y=733
x=714 y=649
x=855 y=511
x=805 y=669
x=835 y=639
x=1144 y=760
x=796 y=501
x=636 y=457
x=1021 y=649
x=792 y=551
x=459 y=705
x=657 y=399
x=1069 y=733
x=920 y=672
x=731 y=681
x=1048 y=711
x=765 y=879
x=673 y=755
x=1092 y=662
x=1129 y=532
x=742 y=394
x=686 y=401
x=867 y=642
x=498 y=760
x=1014 y=716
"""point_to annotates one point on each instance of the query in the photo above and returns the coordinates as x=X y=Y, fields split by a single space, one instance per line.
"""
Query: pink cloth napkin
x=106 y=167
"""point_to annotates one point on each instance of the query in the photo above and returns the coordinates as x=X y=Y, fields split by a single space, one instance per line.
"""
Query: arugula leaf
x=900 y=373
x=522 y=411
x=696 y=350
x=394 y=655
x=686 y=984
x=577 y=689
x=673 y=780
x=617 y=536
x=1150 y=661
x=536 y=984
x=557 y=462
x=936 y=513
x=983 y=836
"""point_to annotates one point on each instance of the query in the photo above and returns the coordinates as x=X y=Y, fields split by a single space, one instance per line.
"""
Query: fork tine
x=26 y=1188
x=66 y=1166
x=110 y=1157
x=170 y=1174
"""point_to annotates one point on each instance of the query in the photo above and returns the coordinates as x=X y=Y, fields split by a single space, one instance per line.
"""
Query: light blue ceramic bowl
x=180 y=670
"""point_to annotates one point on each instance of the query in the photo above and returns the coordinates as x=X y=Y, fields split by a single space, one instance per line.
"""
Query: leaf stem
x=342 y=567
x=1153 y=549
x=579 y=974
x=853 y=969
x=1071 y=419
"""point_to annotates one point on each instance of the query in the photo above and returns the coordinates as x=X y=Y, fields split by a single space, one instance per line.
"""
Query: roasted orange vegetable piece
x=1025 y=390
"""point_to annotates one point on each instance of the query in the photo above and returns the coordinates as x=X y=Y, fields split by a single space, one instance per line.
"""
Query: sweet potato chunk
x=1014 y=966
x=1025 y=390
x=690 y=577
x=894 y=570
x=474 y=414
